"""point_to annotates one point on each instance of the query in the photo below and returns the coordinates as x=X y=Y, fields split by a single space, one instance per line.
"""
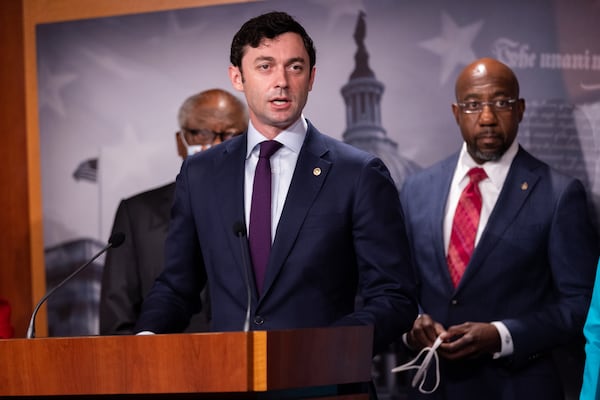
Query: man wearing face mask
x=205 y=120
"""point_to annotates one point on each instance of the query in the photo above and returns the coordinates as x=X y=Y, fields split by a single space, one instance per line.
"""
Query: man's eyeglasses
x=206 y=135
x=475 y=106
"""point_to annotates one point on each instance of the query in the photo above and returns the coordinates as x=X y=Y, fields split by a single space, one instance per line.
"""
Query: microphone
x=239 y=230
x=116 y=239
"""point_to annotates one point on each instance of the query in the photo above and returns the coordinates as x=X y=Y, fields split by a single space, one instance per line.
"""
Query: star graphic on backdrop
x=109 y=60
x=50 y=94
x=174 y=28
x=175 y=31
x=127 y=67
x=453 y=45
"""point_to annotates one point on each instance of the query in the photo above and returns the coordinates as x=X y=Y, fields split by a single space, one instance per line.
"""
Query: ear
x=312 y=78
x=237 y=80
x=520 y=109
x=181 y=150
x=456 y=111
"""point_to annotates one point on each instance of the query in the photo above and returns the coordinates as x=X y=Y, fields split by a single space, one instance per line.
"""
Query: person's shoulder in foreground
x=590 y=389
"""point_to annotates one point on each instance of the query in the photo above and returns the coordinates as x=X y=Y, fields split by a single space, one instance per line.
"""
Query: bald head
x=215 y=105
x=207 y=118
x=485 y=71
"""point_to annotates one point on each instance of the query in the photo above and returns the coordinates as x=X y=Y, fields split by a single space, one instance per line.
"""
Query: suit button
x=258 y=320
x=454 y=302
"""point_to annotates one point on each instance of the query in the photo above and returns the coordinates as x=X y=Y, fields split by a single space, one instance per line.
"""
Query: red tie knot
x=476 y=175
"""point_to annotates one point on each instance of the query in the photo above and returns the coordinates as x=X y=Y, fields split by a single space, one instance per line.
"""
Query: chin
x=489 y=156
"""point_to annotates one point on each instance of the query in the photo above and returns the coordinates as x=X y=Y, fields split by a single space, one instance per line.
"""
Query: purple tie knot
x=268 y=148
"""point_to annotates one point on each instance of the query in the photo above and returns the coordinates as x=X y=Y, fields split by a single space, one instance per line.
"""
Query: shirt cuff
x=405 y=340
x=405 y=337
x=506 y=342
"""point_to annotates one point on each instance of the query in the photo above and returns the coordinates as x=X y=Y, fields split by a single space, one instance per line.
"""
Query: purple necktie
x=260 y=213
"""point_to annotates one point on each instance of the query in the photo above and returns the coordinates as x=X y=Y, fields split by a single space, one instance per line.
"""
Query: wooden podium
x=330 y=363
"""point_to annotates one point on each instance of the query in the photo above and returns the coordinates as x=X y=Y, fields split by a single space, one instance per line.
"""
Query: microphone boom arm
x=115 y=241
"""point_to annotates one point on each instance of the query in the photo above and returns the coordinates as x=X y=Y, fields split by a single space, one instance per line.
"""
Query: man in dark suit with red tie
x=504 y=251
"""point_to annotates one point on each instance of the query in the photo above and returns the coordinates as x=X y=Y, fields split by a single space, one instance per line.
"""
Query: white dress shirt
x=283 y=163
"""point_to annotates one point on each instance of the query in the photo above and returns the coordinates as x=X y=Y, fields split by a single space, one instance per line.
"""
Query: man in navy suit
x=527 y=285
x=337 y=224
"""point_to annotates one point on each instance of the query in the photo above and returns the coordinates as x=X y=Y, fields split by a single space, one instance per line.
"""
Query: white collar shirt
x=489 y=187
x=283 y=163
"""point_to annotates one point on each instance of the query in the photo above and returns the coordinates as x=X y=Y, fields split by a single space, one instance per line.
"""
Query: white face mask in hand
x=421 y=374
x=192 y=148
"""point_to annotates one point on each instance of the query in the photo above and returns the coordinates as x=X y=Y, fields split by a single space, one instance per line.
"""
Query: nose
x=487 y=116
x=281 y=78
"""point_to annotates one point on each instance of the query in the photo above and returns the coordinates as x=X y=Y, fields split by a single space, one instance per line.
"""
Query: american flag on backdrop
x=87 y=170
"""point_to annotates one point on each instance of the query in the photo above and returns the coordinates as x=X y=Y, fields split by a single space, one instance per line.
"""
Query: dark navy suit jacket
x=533 y=269
x=341 y=230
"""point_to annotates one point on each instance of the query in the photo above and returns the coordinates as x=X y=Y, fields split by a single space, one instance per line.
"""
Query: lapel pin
x=317 y=171
x=524 y=186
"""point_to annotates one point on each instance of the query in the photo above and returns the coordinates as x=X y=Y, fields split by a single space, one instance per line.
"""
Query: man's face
x=490 y=132
x=275 y=78
x=209 y=124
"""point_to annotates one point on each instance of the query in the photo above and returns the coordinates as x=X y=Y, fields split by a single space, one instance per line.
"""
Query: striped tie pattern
x=464 y=226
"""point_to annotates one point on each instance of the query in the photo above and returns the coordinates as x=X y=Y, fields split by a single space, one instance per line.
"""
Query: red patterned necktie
x=464 y=226
x=260 y=212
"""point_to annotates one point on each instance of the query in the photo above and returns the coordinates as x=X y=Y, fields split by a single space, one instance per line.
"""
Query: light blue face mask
x=192 y=148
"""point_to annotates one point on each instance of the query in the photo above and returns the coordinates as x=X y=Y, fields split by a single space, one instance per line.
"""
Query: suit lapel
x=520 y=183
x=229 y=193
x=440 y=187
x=305 y=186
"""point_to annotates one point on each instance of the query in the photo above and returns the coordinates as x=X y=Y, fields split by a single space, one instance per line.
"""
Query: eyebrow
x=290 y=61
x=263 y=58
x=493 y=95
x=297 y=59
